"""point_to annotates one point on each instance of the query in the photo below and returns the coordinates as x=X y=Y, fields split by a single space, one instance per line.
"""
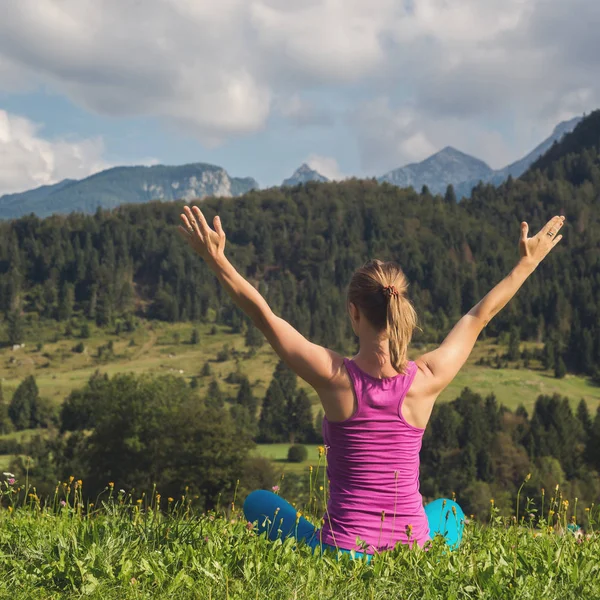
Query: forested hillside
x=301 y=244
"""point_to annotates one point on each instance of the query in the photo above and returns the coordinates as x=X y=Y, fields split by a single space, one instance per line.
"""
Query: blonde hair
x=378 y=289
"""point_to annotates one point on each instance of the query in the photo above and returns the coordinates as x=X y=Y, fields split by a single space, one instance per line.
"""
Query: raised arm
x=318 y=366
x=439 y=367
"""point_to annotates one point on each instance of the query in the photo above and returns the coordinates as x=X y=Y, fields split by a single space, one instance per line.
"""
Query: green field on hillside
x=162 y=348
x=278 y=454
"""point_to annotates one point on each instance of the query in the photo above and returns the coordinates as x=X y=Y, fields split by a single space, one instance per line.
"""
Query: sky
x=351 y=87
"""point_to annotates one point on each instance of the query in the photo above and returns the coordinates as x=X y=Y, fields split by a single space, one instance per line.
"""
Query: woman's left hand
x=208 y=243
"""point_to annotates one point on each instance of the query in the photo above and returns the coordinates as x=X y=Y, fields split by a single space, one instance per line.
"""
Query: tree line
x=300 y=245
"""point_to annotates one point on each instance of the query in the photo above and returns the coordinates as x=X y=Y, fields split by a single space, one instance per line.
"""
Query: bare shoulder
x=423 y=383
x=337 y=396
x=420 y=398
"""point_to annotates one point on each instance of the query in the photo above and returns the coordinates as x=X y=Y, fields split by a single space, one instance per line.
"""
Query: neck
x=374 y=356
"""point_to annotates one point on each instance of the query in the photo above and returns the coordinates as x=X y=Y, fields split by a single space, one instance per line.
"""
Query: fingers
x=192 y=221
x=556 y=240
x=218 y=227
x=524 y=230
x=204 y=228
x=186 y=224
x=550 y=224
x=556 y=228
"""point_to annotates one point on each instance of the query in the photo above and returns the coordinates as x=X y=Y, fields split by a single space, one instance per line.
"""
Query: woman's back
x=373 y=467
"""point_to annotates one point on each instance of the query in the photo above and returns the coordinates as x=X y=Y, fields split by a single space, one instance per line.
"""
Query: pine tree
x=6 y=425
x=583 y=414
x=450 y=197
x=66 y=301
x=549 y=358
x=23 y=406
x=195 y=337
x=300 y=419
x=14 y=328
x=514 y=350
x=560 y=370
x=593 y=444
x=484 y=465
x=214 y=396
x=206 y=370
x=272 y=425
x=287 y=380
x=254 y=338
x=468 y=463
x=492 y=413
x=246 y=398
x=586 y=352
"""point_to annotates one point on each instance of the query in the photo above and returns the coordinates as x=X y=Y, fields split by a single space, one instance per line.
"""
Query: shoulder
x=423 y=381
x=421 y=395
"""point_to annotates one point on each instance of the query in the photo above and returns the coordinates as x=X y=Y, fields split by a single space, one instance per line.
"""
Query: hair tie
x=390 y=290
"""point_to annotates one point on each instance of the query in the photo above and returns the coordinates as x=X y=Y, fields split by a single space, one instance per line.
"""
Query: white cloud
x=28 y=160
x=302 y=112
x=390 y=137
x=325 y=165
x=217 y=69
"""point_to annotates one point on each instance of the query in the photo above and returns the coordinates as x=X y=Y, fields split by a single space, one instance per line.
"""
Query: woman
x=376 y=405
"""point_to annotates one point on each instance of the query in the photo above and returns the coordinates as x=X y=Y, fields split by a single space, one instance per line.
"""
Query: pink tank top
x=373 y=469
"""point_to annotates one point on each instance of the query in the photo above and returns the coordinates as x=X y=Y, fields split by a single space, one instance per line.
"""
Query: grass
x=278 y=454
x=125 y=549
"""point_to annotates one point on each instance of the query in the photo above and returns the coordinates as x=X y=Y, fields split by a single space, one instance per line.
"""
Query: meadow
x=165 y=348
x=127 y=547
x=158 y=347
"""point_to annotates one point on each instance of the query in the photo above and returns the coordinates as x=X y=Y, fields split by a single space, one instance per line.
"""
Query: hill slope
x=126 y=185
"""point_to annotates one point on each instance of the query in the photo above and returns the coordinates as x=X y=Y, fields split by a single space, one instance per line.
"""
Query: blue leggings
x=278 y=518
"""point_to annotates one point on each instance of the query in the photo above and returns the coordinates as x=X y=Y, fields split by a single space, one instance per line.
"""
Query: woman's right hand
x=536 y=248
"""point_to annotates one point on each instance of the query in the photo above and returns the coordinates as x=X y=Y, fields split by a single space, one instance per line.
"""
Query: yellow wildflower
x=111 y=484
x=71 y=479
x=170 y=499
x=321 y=450
x=320 y=488
x=298 y=514
x=80 y=482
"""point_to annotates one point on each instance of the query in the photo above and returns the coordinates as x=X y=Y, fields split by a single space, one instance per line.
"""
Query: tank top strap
x=403 y=384
x=356 y=377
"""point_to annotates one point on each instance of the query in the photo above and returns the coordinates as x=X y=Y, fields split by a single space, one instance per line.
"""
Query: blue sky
x=353 y=87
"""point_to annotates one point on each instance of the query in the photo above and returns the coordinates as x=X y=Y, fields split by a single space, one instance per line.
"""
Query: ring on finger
x=551 y=233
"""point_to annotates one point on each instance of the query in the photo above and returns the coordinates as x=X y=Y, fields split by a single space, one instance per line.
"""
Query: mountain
x=126 y=185
x=464 y=172
x=519 y=167
x=304 y=174
x=449 y=166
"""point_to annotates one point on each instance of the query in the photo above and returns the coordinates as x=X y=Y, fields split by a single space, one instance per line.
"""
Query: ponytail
x=401 y=322
x=379 y=290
